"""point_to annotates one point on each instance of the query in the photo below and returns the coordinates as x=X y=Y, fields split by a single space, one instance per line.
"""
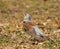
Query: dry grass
x=44 y=13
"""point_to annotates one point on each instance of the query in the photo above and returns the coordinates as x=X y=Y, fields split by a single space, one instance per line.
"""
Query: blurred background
x=44 y=13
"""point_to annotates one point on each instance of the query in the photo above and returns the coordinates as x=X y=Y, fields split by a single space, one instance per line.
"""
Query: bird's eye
x=23 y=21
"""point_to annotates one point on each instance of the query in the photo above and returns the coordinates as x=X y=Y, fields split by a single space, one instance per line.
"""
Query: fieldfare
x=33 y=29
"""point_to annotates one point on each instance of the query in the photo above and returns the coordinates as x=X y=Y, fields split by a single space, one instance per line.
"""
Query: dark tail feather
x=49 y=39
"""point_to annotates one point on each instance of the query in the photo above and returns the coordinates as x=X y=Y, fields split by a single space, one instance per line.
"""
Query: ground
x=44 y=13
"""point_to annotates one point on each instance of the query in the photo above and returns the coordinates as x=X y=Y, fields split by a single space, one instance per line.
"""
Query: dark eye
x=24 y=22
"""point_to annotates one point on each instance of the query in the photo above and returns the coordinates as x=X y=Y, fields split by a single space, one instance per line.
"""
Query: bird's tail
x=49 y=39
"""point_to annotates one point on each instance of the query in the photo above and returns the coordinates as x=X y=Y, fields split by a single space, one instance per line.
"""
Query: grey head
x=27 y=18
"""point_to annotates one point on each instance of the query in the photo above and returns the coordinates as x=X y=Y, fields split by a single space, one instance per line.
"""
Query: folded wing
x=37 y=31
x=40 y=33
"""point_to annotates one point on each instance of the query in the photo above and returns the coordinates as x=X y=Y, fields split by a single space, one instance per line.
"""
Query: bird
x=33 y=29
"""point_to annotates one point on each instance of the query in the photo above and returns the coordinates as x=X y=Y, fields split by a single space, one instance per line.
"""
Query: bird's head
x=27 y=18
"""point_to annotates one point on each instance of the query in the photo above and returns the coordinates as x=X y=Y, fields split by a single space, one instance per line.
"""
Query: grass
x=47 y=18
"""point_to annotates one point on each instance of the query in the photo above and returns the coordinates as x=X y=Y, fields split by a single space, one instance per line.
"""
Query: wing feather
x=37 y=31
x=40 y=33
